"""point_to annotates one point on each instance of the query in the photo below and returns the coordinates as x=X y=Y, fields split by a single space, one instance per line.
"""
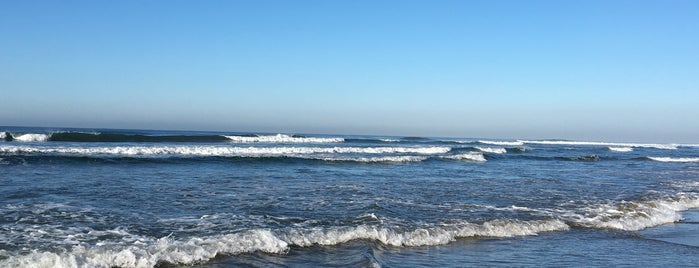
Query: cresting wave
x=476 y=157
x=117 y=137
x=492 y=150
x=139 y=251
x=502 y=143
x=632 y=215
x=620 y=149
x=216 y=150
x=588 y=143
x=281 y=138
x=675 y=159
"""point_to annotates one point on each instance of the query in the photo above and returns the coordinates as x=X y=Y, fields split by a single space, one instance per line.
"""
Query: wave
x=588 y=143
x=675 y=159
x=140 y=251
x=215 y=150
x=476 y=157
x=492 y=150
x=502 y=143
x=29 y=137
x=281 y=138
x=117 y=137
x=620 y=149
x=633 y=215
x=397 y=159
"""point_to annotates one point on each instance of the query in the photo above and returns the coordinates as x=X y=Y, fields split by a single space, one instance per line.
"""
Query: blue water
x=132 y=198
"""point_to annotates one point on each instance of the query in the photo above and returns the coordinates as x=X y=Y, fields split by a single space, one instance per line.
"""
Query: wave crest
x=281 y=138
x=477 y=157
x=675 y=159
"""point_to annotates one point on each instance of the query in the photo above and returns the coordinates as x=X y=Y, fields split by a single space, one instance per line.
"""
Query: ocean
x=143 y=198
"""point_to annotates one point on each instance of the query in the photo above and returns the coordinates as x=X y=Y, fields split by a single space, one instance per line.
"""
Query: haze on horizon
x=589 y=70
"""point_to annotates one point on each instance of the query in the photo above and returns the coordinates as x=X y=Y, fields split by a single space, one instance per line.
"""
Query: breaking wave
x=588 y=143
x=633 y=215
x=476 y=157
x=675 y=159
x=139 y=251
x=502 y=143
x=215 y=150
x=281 y=138
x=492 y=150
x=620 y=149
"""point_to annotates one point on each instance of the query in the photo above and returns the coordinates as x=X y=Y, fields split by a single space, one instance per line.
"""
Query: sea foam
x=589 y=143
x=492 y=150
x=476 y=157
x=216 y=150
x=149 y=252
x=675 y=159
x=281 y=138
x=633 y=215
x=502 y=143
x=32 y=137
x=620 y=149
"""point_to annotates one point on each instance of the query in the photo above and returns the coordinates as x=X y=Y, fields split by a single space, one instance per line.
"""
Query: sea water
x=137 y=198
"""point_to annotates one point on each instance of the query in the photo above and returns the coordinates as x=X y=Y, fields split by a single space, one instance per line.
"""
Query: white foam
x=148 y=252
x=139 y=251
x=3 y=136
x=401 y=158
x=477 y=157
x=217 y=150
x=31 y=137
x=673 y=159
x=634 y=215
x=281 y=138
x=592 y=143
x=428 y=235
x=492 y=150
x=620 y=149
x=502 y=143
x=390 y=140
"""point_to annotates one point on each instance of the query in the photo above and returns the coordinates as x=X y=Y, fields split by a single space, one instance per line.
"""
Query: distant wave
x=29 y=137
x=492 y=150
x=675 y=159
x=216 y=150
x=397 y=159
x=117 y=137
x=476 y=157
x=620 y=149
x=281 y=138
x=587 y=143
x=502 y=143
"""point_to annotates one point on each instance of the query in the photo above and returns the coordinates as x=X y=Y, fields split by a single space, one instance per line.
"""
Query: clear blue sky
x=586 y=70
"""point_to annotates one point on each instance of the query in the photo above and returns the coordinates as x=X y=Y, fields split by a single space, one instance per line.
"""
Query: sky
x=583 y=70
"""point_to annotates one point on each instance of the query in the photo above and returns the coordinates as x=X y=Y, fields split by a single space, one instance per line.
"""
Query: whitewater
x=144 y=198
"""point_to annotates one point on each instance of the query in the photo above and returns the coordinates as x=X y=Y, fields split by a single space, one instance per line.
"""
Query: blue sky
x=586 y=70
